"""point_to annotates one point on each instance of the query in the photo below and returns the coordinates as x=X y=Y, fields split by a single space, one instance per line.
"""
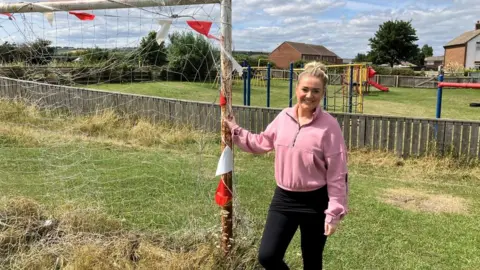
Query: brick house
x=433 y=62
x=288 y=52
x=464 y=49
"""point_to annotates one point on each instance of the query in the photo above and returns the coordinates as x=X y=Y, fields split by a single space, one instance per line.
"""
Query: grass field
x=408 y=102
x=106 y=181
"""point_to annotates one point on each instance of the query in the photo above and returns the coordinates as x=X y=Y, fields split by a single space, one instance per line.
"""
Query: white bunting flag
x=163 y=30
x=225 y=163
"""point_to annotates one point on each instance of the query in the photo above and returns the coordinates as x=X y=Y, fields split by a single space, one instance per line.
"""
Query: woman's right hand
x=230 y=121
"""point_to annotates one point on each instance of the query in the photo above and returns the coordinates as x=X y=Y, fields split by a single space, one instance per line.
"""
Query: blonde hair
x=316 y=69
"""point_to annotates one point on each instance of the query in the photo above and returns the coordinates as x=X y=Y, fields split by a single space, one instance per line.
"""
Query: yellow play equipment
x=346 y=87
x=355 y=77
x=348 y=83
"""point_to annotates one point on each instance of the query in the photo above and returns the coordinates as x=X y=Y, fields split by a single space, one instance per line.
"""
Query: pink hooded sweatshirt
x=306 y=158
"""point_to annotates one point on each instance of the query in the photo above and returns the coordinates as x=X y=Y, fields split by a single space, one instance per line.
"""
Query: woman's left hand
x=330 y=229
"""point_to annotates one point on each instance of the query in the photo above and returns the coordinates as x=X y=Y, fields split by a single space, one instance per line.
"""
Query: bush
x=403 y=72
x=299 y=64
x=394 y=71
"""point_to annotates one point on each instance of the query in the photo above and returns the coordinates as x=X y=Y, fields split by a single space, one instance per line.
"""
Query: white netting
x=118 y=45
x=108 y=168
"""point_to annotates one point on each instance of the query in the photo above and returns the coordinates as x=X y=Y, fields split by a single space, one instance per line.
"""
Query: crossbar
x=29 y=7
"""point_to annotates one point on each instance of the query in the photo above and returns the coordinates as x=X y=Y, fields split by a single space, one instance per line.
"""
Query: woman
x=310 y=172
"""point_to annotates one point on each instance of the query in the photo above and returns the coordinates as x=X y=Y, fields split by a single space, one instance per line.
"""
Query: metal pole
x=350 y=91
x=244 y=83
x=325 y=99
x=439 y=100
x=226 y=88
x=268 y=85
x=290 y=94
x=249 y=84
x=439 y=97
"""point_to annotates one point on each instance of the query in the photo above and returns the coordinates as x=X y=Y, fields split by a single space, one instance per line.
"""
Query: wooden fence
x=89 y=75
x=386 y=80
x=406 y=137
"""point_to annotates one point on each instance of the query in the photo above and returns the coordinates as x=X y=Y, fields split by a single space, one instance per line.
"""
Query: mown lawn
x=415 y=214
x=408 y=102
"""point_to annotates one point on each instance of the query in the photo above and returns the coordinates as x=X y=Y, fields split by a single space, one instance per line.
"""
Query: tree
x=393 y=42
x=361 y=57
x=152 y=53
x=299 y=63
x=95 y=55
x=418 y=58
x=427 y=50
x=38 y=52
x=8 y=52
x=241 y=57
x=191 y=56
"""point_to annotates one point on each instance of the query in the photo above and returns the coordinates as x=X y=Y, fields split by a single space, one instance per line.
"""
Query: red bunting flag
x=223 y=195
x=202 y=27
x=10 y=16
x=82 y=15
x=223 y=100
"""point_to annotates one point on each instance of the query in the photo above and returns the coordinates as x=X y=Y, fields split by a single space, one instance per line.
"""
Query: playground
x=279 y=92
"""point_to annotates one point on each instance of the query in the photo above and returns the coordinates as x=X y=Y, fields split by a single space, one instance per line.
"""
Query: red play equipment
x=371 y=73
x=459 y=85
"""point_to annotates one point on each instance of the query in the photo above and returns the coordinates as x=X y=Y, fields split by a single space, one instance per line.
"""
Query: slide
x=371 y=73
x=378 y=86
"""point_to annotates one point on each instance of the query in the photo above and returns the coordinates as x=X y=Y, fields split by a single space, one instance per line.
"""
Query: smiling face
x=309 y=92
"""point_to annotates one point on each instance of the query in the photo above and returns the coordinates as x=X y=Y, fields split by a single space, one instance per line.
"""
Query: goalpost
x=25 y=7
x=226 y=65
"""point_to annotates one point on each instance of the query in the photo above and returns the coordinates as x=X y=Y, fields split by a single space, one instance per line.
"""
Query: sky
x=343 y=26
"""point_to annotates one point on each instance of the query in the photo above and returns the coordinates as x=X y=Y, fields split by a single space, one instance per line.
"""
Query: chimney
x=477 y=25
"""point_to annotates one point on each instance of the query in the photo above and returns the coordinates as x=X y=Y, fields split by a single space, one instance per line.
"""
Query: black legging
x=279 y=230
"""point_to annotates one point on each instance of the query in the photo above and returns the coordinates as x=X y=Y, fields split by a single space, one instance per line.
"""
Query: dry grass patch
x=84 y=237
x=18 y=136
x=419 y=201
x=28 y=126
x=429 y=169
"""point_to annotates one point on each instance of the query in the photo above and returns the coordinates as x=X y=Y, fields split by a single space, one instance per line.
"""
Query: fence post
x=268 y=85
x=291 y=86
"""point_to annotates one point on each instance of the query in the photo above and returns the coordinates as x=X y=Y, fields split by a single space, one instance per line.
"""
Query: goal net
x=93 y=163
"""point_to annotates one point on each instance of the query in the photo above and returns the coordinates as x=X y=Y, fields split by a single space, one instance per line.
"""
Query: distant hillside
x=251 y=53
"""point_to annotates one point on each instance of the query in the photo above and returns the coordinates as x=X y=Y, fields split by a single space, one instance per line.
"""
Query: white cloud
x=302 y=8
x=297 y=19
x=358 y=6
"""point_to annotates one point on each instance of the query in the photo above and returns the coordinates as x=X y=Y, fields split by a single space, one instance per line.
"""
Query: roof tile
x=311 y=49
x=463 y=38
